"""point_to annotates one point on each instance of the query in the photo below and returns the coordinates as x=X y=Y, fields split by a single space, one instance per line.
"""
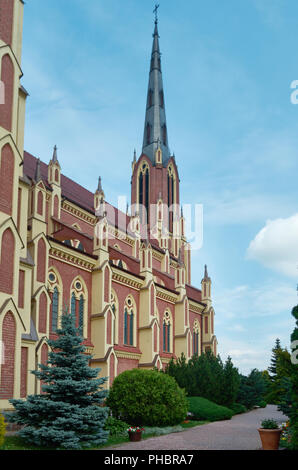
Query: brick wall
x=24 y=372
x=6 y=179
x=6 y=20
x=7 y=262
x=7 y=77
x=7 y=369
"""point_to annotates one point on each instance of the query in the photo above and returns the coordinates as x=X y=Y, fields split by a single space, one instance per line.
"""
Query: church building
x=125 y=275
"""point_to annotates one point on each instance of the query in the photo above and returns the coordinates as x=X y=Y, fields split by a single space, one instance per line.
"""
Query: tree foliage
x=69 y=412
x=294 y=387
x=147 y=398
x=252 y=389
x=206 y=376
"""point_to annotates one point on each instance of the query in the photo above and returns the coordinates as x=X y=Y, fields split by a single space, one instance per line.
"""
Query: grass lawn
x=16 y=443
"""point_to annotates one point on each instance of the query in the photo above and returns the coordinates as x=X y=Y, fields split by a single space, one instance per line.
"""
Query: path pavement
x=239 y=433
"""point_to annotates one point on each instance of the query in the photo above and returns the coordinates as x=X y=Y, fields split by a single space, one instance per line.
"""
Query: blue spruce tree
x=69 y=413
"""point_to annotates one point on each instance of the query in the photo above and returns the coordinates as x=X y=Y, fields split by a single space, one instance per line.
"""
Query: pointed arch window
x=129 y=323
x=195 y=338
x=81 y=313
x=73 y=304
x=55 y=307
x=144 y=180
x=167 y=333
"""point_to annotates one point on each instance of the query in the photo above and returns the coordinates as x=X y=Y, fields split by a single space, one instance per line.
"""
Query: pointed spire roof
x=37 y=176
x=155 y=132
x=99 y=187
x=206 y=277
x=55 y=157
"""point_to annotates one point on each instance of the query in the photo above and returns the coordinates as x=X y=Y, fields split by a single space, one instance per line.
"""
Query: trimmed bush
x=2 y=429
x=237 y=408
x=203 y=409
x=116 y=427
x=147 y=398
x=262 y=403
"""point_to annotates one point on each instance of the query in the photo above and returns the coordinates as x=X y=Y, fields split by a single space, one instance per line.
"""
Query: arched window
x=171 y=196
x=114 y=302
x=129 y=323
x=195 y=338
x=40 y=203
x=81 y=313
x=73 y=305
x=78 y=303
x=167 y=332
x=42 y=320
x=55 y=308
x=144 y=192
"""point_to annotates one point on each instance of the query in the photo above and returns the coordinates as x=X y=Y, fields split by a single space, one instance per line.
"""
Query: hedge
x=203 y=409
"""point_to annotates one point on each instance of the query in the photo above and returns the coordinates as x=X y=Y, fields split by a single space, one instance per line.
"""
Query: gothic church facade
x=125 y=276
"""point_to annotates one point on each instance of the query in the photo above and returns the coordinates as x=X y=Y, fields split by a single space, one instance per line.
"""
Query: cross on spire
x=155 y=12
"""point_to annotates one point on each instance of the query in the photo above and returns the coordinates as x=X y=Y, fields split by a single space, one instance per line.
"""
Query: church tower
x=155 y=178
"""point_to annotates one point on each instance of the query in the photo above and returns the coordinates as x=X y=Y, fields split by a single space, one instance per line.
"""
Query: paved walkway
x=239 y=433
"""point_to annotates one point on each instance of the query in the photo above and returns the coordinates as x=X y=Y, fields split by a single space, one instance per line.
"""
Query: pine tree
x=231 y=383
x=69 y=413
x=274 y=359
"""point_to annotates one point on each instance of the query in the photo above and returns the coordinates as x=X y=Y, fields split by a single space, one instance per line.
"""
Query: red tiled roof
x=193 y=293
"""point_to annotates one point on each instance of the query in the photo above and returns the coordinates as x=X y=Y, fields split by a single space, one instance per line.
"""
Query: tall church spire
x=155 y=133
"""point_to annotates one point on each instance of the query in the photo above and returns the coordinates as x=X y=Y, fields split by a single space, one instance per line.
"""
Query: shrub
x=2 y=429
x=116 y=427
x=147 y=398
x=238 y=408
x=204 y=409
x=269 y=424
x=262 y=404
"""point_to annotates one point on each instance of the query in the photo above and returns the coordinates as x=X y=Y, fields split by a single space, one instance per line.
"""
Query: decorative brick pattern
x=6 y=179
x=6 y=20
x=7 y=77
x=7 y=369
x=21 y=288
x=42 y=319
x=24 y=372
x=7 y=262
x=41 y=261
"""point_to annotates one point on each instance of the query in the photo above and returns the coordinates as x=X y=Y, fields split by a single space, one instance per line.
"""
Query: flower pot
x=270 y=438
x=135 y=436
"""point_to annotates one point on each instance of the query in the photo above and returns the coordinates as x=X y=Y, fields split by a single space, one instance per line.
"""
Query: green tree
x=274 y=359
x=294 y=386
x=69 y=412
x=231 y=383
x=252 y=389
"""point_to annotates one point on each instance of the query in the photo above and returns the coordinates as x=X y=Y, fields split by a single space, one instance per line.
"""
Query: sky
x=227 y=68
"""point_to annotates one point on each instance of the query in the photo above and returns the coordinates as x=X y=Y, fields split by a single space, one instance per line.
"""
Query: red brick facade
x=24 y=372
x=6 y=179
x=7 y=77
x=6 y=20
x=9 y=344
x=7 y=262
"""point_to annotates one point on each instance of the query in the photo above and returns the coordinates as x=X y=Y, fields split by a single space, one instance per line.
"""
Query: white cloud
x=276 y=246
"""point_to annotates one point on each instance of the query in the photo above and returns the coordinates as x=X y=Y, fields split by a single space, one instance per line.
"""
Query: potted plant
x=135 y=433
x=270 y=434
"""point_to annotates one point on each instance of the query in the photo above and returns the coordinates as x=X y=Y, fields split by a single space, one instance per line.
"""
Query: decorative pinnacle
x=155 y=12
x=55 y=158
x=37 y=171
x=99 y=187
x=135 y=156
x=206 y=277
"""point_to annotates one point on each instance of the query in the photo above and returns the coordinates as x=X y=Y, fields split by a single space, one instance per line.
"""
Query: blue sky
x=227 y=70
